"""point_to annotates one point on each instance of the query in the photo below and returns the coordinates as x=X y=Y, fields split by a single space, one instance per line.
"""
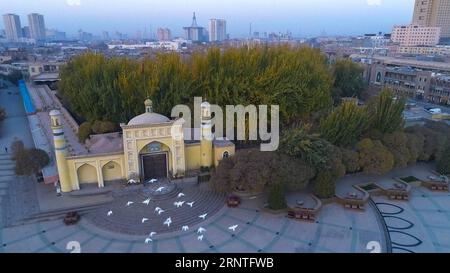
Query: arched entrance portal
x=154 y=159
x=87 y=174
x=111 y=171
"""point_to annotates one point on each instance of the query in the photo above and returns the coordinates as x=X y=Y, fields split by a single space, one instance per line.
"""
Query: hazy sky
x=301 y=17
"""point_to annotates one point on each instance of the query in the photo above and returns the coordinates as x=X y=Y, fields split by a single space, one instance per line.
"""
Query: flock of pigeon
x=168 y=221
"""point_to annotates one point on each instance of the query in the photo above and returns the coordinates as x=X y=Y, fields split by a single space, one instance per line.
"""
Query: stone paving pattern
x=128 y=219
x=336 y=230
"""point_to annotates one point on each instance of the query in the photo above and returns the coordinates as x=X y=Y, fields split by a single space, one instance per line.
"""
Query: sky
x=303 y=18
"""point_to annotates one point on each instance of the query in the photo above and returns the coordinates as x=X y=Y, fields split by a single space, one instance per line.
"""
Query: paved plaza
x=336 y=230
x=421 y=224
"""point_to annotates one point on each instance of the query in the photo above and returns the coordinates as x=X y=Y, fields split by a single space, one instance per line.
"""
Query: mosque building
x=150 y=146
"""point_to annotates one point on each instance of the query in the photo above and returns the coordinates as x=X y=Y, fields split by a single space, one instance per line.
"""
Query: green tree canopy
x=345 y=125
x=296 y=79
x=386 y=112
x=374 y=157
x=348 y=78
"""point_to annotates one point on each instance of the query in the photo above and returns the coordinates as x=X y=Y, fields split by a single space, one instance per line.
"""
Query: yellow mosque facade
x=151 y=146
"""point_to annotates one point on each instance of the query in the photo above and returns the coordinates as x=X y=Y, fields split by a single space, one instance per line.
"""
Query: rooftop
x=105 y=143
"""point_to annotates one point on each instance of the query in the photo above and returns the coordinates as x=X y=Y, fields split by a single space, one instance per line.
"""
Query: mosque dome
x=148 y=117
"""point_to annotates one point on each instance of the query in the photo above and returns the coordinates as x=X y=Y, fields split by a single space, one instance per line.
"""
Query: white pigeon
x=144 y=219
x=109 y=213
x=203 y=216
x=160 y=189
x=152 y=233
x=179 y=204
x=146 y=201
x=153 y=180
x=181 y=194
x=233 y=228
x=201 y=230
x=200 y=238
x=168 y=222
x=191 y=203
x=129 y=203
x=148 y=240
x=184 y=228
x=160 y=211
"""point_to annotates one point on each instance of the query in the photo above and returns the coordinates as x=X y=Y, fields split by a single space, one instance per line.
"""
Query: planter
x=247 y=194
x=71 y=218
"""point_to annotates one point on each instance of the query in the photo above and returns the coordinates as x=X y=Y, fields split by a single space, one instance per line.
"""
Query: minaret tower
x=60 y=150
x=207 y=136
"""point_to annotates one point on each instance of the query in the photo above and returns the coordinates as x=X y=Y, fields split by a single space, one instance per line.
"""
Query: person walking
x=6 y=149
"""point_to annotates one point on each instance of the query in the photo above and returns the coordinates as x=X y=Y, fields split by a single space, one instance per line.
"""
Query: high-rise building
x=37 y=26
x=194 y=32
x=163 y=34
x=433 y=13
x=26 y=32
x=414 y=35
x=105 y=35
x=217 y=30
x=13 y=28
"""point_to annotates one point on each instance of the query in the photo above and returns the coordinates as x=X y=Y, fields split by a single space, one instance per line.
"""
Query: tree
x=296 y=79
x=415 y=146
x=30 y=161
x=310 y=148
x=84 y=131
x=348 y=78
x=397 y=144
x=277 y=199
x=350 y=159
x=345 y=124
x=386 y=113
x=297 y=142
x=294 y=173
x=220 y=178
x=374 y=157
x=443 y=164
x=324 y=185
x=434 y=142
x=253 y=170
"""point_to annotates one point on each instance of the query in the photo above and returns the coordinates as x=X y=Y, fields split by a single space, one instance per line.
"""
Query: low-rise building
x=414 y=35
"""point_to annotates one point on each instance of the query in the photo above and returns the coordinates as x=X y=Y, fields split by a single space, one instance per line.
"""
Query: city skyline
x=301 y=18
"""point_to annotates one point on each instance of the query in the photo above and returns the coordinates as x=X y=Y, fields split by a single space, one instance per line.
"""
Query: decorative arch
x=111 y=171
x=87 y=173
x=154 y=143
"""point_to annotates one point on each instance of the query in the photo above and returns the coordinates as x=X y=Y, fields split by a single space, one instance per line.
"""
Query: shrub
x=276 y=197
x=84 y=131
x=324 y=185
x=415 y=146
x=102 y=127
x=443 y=164
x=397 y=143
x=350 y=159
x=374 y=157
